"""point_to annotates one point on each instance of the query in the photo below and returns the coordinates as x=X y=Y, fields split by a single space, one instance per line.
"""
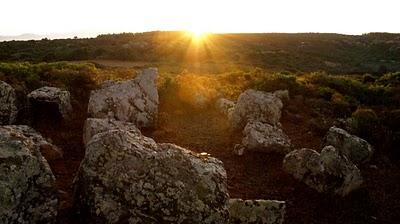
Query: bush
x=365 y=123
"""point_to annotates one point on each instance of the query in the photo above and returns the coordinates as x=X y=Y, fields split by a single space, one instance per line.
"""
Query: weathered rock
x=95 y=126
x=354 y=148
x=265 y=138
x=134 y=100
x=256 y=211
x=47 y=149
x=282 y=94
x=328 y=172
x=27 y=191
x=8 y=109
x=255 y=105
x=225 y=106
x=128 y=178
x=238 y=149
x=52 y=96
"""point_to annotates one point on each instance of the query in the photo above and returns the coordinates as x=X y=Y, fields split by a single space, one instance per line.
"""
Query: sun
x=198 y=35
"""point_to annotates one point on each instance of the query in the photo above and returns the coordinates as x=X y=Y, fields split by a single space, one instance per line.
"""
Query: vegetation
x=375 y=53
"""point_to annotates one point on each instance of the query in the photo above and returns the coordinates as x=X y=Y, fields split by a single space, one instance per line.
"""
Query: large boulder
x=254 y=105
x=354 y=148
x=8 y=109
x=328 y=172
x=256 y=211
x=27 y=185
x=133 y=101
x=126 y=177
x=264 y=137
x=52 y=97
x=95 y=126
x=282 y=94
x=46 y=148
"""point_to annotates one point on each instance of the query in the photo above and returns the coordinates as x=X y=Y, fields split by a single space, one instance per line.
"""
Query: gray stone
x=328 y=172
x=354 y=148
x=133 y=101
x=265 y=138
x=95 y=126
x=8 y=109
x=27 y=185
x=128 y=178
x=53 y=95
x=259 y=106
x=256 y=211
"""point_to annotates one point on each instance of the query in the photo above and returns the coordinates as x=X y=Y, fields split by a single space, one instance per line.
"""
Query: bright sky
x=106 y=16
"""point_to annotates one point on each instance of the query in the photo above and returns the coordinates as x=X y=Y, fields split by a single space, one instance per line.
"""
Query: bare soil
x=251 y=176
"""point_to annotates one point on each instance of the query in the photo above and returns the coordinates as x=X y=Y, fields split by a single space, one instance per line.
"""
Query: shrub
x=365 y=123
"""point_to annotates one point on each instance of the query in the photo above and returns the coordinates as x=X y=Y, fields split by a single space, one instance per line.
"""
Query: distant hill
x=302 y=52
x=26 y=36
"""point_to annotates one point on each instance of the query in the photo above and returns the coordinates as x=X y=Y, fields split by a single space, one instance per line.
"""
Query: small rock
x=265 y=138
x=225 y=106
x=259 y=106
x=256 y=211
x=354 y=148
x=52 y=95
x=328 y=172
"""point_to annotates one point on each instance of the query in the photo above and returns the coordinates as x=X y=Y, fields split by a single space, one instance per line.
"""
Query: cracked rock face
x=254 y=105
x=265 y=138
x=356 y=149
x=126 y=177
x=95 y=126
x=133 y=101
x=256 y=211
x=8 y=109
x=328 y=172
x=27 y=191
x=53 y=95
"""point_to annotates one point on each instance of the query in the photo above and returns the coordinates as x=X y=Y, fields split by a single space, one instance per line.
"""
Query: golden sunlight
x=197 y=35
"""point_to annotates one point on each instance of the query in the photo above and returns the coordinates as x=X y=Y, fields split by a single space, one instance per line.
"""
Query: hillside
x=303 y=52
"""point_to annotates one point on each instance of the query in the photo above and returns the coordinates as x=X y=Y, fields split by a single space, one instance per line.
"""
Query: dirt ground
x=251 y=176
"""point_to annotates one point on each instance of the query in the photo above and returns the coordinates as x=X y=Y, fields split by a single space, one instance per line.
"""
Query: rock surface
x=328 y=172
x=225 y=106
x=8 y=109
x=47 y=149
x=27 y=191
x=354 y=148
x=282 y=94
x=265 y=138
x=128 y=178
x=259 y=106
x=95 y=126
x=53 y=95
x=133 y=101
x=256 y=211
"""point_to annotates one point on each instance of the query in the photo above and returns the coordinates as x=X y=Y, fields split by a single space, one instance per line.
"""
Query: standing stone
x=354 y=148
x=256 y=211
x=126 y=177
x=259 y=106
x=8 y=109
x=27 y=185
x=52 y=96
x=133 y=101
x=328 y=172
x=225 y=106
x=265 y=138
